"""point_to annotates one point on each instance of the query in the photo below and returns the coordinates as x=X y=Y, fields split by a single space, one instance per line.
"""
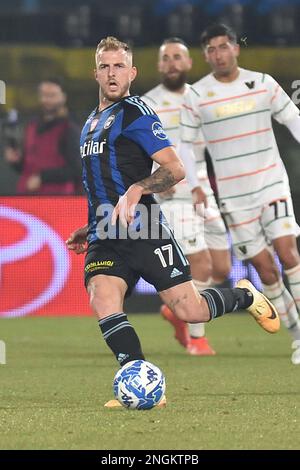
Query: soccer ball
x=139 y=385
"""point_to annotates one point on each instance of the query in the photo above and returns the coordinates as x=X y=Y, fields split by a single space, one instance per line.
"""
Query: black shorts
x=159 y=261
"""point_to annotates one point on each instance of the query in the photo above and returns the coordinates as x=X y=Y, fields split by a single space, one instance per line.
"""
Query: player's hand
x=125 y=209
x=77 y=241
x=199 y=199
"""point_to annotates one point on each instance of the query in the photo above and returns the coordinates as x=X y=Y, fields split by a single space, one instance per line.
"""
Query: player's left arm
x=293 y=126
x=145 y=129
x=170 y=172
x=77 y=241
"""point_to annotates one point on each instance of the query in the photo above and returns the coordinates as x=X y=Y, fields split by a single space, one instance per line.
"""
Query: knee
x=201 y=266
x=203 y=273
x=268 y=272
x=104 y=302
x=289 y=258
x=221 y=272
x=100 y=304
x=221 y=261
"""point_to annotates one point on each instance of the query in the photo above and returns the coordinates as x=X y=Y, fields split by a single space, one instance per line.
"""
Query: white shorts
x=254 y=230
x=215 y=232
x=195 y=233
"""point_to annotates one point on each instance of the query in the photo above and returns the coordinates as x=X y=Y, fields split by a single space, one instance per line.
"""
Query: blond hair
x=110 y=43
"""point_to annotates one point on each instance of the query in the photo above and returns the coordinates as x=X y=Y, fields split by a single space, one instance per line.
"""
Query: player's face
x=174 y=63
x=221 y=54
x=51 y=97
x=114 y=73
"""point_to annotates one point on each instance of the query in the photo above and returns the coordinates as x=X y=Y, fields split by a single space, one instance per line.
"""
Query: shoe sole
x=115 y=404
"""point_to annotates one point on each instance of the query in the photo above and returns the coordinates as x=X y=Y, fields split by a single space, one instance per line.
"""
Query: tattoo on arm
x=161 y=180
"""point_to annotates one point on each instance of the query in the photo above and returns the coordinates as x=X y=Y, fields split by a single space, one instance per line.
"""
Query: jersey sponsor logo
x=230 y=109
x=92 y=147
x=109 y=122
x=98 y=265
x=158 y=131
x=175 y=120
x=250 y=85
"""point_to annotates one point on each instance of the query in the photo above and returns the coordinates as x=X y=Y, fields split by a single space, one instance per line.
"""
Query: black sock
x=221 y=301
x=121 y=337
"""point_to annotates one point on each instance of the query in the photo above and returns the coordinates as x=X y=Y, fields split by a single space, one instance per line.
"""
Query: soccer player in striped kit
x=234 y=108
x=203 y=240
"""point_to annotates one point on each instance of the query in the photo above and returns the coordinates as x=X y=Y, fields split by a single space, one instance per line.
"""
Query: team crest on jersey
x=94 y=124
x=109 y=122
x=166 y=103
x=210 y=94
x=250 y=85
x=158 y=131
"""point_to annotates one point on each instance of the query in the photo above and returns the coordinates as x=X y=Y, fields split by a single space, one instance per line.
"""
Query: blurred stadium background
x=43 y=38
x=59 y=371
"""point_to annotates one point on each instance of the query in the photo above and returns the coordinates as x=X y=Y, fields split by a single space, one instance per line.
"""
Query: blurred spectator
x=48 y=159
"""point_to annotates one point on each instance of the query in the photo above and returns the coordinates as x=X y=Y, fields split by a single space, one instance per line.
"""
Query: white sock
x=285 y=305
x=291 y=309
x=293 y=276
x=197 y=330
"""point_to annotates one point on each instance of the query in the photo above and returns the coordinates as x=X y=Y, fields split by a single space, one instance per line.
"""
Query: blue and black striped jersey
x=116 y=145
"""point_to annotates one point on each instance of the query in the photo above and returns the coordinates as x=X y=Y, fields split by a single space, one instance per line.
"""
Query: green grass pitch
x=59 y=374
